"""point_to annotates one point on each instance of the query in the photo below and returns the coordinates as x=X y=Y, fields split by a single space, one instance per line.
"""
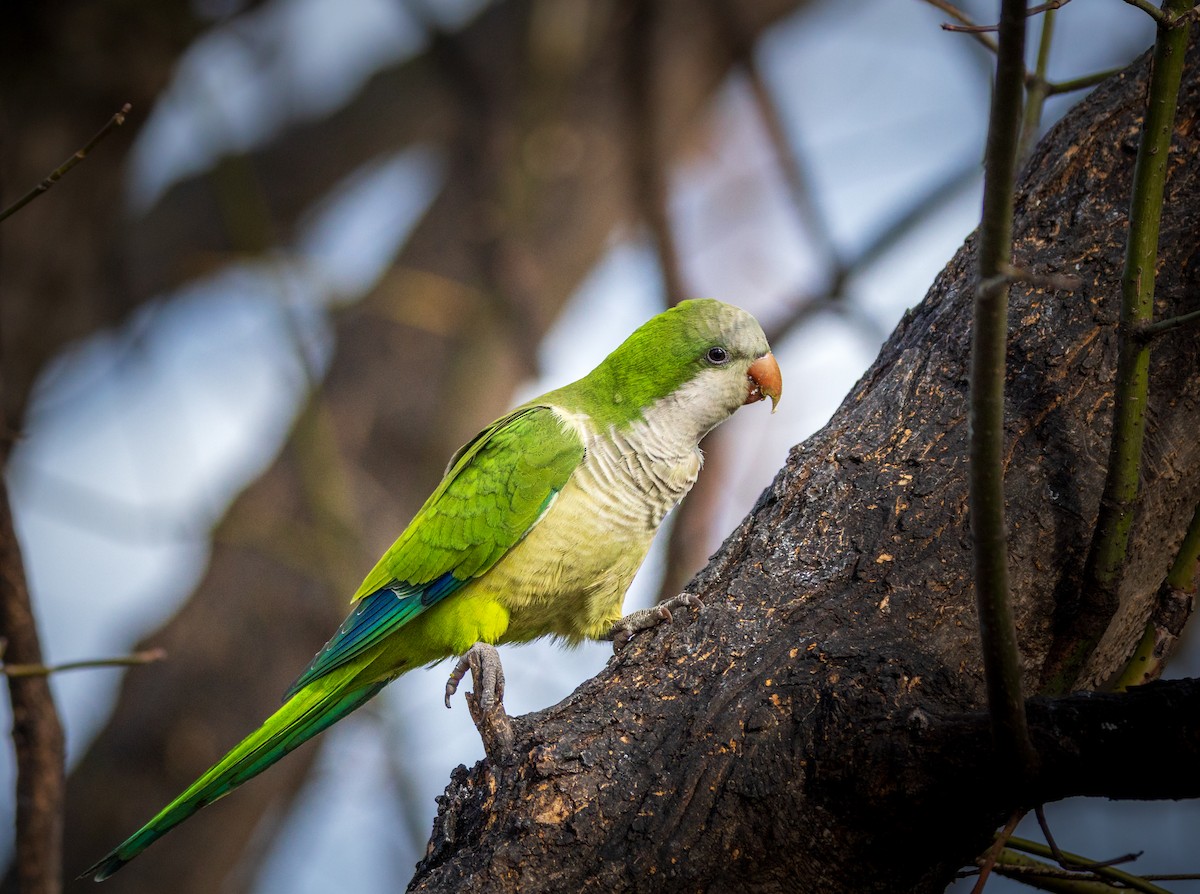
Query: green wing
x=497 y=488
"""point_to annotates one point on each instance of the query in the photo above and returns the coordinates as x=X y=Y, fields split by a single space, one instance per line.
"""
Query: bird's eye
x=717 y=355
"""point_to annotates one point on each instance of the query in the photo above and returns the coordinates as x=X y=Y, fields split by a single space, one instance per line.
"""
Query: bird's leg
x=486 y=703
x=487 y=675
x=647 y=618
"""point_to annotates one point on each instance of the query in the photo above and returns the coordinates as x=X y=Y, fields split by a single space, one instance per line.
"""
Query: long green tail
x=319 y=705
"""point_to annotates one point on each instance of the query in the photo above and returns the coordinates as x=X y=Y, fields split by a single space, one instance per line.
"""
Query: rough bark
x=798 y=734
x=536 y=181
x=36 y=731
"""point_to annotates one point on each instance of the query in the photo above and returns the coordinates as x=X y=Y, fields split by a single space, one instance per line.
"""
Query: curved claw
x=648 y=618
x=487 y=676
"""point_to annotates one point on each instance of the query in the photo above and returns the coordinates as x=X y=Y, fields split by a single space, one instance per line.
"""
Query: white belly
x=569 y=575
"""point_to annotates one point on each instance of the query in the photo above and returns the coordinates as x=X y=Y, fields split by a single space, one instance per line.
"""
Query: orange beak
x=765 y=380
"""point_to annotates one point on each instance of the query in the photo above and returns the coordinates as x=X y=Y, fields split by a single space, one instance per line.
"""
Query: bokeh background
x=334 y=239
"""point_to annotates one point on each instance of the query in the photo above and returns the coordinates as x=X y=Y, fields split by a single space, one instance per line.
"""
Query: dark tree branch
x=1084 y=742
x=822 y=718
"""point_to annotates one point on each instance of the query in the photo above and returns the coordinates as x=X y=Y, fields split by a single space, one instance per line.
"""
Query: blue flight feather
x=373 y=617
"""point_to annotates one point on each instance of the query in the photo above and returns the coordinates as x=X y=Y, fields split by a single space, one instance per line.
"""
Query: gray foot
x=648 y=618
x=486 y=703
x=487 y=676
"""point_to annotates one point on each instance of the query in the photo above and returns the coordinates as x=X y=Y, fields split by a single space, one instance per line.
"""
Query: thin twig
x=1037 y=88
x=993 y=853
x=1056 y=88
x=1049 y=6
x=1149 y=9
x=1133 y=882
x=57 y=174
x=42 y=670
x=1062 y=282
x=989 y=341
x=1048 y=877
x=1070 y=861
x=953 y=11
x=1153 y=330
x=983 y=29
x=1171 y=876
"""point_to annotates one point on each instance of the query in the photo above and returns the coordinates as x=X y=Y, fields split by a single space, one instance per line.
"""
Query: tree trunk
x=817 y=726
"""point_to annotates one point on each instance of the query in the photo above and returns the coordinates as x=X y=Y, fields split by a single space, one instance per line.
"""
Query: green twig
x=989 y=339
x=1176 y=600
x=1151 y=330
x=1182 y=575
x=1047 y=877
x=1037 y=88
x=1111 y=873
x=1107 y=553
x=1086 y=82
x=42 y=670
x=1149 y=9
x=57 y=174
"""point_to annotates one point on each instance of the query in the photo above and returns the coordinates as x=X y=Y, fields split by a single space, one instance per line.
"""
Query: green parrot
x=537 y=529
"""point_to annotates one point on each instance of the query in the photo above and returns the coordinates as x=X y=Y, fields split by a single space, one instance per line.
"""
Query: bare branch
x=137 y=659
x=1149 y=9
x=1149 y=331
x=1100 y=870
x=952 y=10
x=1065 y=282
x=1087 y=82
x=989 y=343
x=57 y=174
x=1033 y=10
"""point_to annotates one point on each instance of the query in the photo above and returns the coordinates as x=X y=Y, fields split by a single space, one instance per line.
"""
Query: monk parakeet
x=536 y=529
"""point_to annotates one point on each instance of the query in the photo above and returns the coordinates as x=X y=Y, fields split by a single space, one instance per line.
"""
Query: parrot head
x=697 y=362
